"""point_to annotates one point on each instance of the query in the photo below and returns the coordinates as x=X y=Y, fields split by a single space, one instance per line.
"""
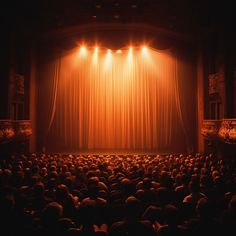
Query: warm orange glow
x=83 y=51
x=108 y=59
x=95 y=55
x=130 y=55
x=119 y=51
x=121 y=102
x=144 y=50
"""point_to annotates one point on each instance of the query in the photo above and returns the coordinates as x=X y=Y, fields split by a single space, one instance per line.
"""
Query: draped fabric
x=113 y=101
x=47 y=95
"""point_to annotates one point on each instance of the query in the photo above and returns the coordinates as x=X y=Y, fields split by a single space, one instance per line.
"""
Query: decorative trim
x=213 y=83
x=227 y=131
x=210 y=129
x=12 y=130
x=224 y=130
x=7 y=131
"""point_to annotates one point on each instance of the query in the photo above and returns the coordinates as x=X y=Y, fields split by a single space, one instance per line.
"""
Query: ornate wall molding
x=14 y=130
x=227 y=131
x=7 y=131
x=224 y=130
x=210 y=129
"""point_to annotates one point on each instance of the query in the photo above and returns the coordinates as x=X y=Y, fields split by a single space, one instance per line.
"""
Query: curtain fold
x=186 y=100
x=109 y=101
x=47 y=96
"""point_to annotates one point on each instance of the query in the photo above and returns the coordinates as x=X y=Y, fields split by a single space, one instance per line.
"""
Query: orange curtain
x=115 y=101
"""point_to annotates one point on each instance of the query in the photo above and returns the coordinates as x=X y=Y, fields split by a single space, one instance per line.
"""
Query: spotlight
x=83 y=51
x=119 y=51
x=144 y=50
x=130 y=54
x=95 y=55
x=108 y=59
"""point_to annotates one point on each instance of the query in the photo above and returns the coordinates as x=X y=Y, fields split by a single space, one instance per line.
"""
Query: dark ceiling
x=186 y=16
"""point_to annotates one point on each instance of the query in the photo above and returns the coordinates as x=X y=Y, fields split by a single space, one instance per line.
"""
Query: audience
x=117 y=195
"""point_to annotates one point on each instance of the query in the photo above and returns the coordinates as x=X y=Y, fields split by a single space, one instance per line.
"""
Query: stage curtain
x=134 y=101
x=48 y=79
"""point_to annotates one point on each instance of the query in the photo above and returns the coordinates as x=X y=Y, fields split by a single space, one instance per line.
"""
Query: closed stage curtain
x=113 y=101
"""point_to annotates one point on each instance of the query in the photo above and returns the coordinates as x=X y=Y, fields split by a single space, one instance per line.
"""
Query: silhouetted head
x=51 y=214
x=132 y=208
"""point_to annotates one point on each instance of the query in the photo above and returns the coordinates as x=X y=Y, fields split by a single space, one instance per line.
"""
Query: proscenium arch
x=122 y=33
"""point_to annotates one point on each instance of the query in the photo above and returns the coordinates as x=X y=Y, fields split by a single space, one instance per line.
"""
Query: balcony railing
x=224 y=130
x=14 y=130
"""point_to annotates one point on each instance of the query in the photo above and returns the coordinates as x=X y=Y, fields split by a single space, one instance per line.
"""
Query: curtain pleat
x=114 y=103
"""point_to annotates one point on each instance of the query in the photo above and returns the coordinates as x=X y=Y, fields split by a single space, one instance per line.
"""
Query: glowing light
x=144 y=50
x=130 y=50
x=83 y=51
x=130 y=55
x=119 y=51
x=95 y=55
x=108 y=59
